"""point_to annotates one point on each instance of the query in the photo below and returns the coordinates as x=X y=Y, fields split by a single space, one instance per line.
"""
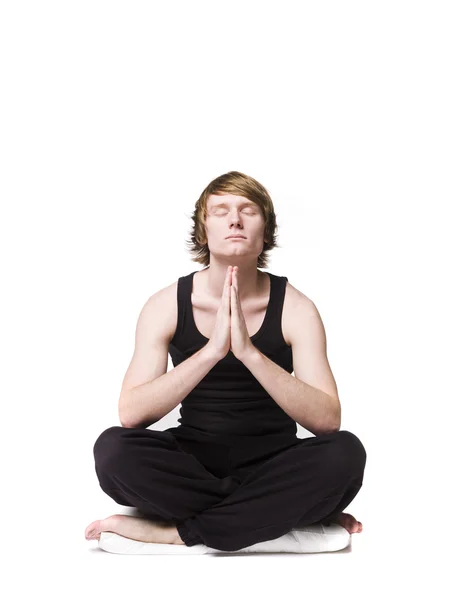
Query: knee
x=349 y=452
x=108 y=445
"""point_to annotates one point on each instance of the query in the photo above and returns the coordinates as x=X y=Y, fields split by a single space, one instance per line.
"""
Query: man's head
x=233 y=203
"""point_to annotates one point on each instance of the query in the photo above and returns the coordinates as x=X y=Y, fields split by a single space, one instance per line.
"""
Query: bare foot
x=135 y=528
x=348 y=522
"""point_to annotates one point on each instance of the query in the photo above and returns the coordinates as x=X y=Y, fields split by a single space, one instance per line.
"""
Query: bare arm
x=148 y=391
x=147 y=403
x=311 y=396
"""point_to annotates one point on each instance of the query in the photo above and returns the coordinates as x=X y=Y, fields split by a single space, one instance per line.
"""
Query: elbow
x=125 y=423
x=334 y=426
x=335 y=423
x=327 y=431
x=132 y=423
x=123 y=417
x=129 y=423
x=331 y=427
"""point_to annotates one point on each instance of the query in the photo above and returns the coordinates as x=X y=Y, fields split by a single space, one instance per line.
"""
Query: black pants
x=234 y=494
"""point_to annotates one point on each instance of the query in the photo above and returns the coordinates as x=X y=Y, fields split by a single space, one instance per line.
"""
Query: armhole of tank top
x=282 y=311
x=180 y=311
x=282 y=283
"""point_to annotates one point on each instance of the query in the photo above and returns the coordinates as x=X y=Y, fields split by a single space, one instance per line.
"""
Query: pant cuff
x=186 y=535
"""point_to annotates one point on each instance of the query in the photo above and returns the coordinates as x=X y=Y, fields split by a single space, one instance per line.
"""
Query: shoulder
x=297 y=300
x=161 y=308
x=163 y=296
x=298 y=307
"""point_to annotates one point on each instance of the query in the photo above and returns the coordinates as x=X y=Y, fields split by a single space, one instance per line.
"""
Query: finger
x=227 y=299
x=234 y=285
x=227 y=283
x=234 y=304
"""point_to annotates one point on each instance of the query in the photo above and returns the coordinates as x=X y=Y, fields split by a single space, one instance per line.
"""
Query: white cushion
x=312 y=538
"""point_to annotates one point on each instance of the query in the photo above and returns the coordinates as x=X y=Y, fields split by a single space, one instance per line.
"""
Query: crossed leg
x=283 y=492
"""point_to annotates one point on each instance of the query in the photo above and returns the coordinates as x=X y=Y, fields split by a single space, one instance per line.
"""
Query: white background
x=114 y=117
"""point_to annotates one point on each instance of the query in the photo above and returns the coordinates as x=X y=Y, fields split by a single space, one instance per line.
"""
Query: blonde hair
x=238 y=184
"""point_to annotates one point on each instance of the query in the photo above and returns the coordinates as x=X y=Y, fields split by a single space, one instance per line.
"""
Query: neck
x=249 y=279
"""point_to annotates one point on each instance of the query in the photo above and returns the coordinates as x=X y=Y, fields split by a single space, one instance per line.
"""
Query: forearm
x=312 y=408
x=151 y=401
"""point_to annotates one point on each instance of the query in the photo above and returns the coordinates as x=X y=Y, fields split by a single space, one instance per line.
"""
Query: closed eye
x=251 y=212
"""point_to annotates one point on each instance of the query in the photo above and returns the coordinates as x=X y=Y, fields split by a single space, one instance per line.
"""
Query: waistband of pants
x=189 y=433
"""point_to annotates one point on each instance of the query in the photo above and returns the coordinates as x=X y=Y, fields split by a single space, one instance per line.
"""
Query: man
x=233 y=473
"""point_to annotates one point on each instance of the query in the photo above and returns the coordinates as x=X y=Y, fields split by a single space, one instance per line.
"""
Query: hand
x=219 y=342
x=241 y=344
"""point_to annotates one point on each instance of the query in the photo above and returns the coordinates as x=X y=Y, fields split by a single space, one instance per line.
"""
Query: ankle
x=177 y=539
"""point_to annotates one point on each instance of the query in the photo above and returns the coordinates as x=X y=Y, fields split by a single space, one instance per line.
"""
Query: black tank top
x=229 y=401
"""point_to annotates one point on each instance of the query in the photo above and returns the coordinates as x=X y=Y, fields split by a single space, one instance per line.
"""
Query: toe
x=92 y=531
